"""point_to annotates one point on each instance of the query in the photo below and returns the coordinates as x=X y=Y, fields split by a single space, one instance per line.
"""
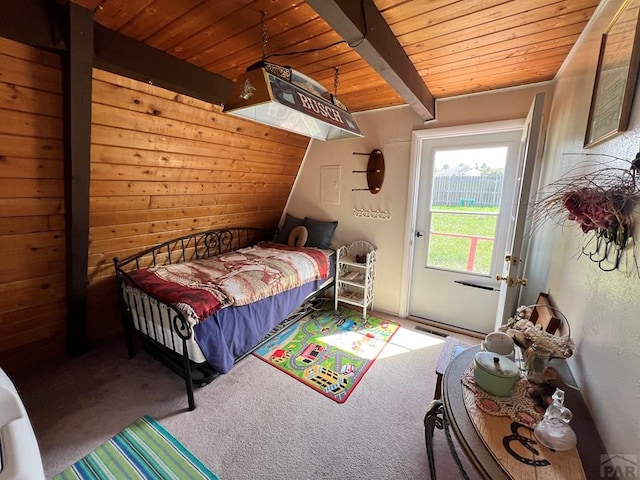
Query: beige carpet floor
x=252 y=423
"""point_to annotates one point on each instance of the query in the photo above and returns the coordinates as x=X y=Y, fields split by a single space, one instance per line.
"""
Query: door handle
x=419 y=234
x=511 y=281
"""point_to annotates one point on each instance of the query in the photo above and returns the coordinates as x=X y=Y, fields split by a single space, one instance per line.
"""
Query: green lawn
x=452 y=253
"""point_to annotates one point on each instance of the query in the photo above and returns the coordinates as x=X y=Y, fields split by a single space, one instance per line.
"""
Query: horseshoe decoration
x=526 y=443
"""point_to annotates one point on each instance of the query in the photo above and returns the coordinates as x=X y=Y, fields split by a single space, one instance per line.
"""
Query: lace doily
x=519 y=406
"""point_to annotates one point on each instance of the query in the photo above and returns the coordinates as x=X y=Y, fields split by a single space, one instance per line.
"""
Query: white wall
x=603 y=308
x=390 y=130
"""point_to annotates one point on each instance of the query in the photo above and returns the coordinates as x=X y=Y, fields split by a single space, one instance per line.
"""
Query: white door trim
x=417 y=138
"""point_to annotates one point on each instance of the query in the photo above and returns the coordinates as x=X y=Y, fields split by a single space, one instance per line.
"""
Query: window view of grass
x=464 y=207
x=452 y=252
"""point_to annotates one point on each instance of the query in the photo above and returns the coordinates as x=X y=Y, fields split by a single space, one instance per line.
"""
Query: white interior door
x=466 y=187
x=514 y=264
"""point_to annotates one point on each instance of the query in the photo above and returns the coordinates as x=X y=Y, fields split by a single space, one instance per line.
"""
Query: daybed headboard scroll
x=195 y=246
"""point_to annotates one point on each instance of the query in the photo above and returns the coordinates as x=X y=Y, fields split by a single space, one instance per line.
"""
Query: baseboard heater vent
x=432 y=332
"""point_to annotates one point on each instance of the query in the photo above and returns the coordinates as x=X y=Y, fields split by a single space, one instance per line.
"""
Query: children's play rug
x=329 y=350
x=142 y=451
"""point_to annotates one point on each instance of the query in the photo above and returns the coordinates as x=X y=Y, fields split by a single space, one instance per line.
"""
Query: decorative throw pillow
x=298 y=236
x=320 y=233
x=290 y=222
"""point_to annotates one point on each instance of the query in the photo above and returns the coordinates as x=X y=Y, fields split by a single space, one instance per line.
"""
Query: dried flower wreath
x=600 y=202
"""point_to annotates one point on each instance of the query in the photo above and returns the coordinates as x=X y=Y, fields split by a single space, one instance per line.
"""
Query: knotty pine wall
x=32 y=269
x=162 y=165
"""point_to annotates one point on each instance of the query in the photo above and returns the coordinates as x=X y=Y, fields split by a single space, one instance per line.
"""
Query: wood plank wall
x=32 y=270
x=162 y=165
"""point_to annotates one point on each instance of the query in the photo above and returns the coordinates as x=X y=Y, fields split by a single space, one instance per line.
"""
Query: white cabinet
x=355 y=275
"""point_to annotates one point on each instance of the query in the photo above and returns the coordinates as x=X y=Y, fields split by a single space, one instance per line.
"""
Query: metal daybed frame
x=171 y=343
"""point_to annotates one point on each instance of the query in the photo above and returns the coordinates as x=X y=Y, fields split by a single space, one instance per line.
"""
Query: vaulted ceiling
x=457 y=47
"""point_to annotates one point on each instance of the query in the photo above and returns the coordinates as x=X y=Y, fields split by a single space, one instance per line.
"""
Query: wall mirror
x=616 y=76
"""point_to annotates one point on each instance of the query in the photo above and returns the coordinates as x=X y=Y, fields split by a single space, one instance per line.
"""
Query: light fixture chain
x=336 y=74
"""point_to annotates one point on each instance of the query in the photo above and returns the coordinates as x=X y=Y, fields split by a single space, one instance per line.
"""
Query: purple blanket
x=233 y=331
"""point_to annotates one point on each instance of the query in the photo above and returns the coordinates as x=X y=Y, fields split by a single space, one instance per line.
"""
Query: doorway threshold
x=442 y=329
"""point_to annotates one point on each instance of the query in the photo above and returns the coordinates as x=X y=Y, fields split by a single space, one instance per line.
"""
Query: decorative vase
x=536 y=360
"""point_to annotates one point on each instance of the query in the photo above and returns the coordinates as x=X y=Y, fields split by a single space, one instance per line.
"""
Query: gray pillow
x=319 y=233
x=290 y=222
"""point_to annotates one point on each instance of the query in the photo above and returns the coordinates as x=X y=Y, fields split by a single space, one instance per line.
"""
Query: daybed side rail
x=159 y=323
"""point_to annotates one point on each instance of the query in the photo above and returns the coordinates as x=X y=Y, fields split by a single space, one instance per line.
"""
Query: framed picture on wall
x=616 y=76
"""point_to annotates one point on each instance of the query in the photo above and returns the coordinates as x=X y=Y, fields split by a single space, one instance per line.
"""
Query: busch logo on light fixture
x=319 y=108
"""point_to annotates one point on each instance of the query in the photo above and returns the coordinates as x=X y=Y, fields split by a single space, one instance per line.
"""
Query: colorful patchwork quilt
x=202 y=287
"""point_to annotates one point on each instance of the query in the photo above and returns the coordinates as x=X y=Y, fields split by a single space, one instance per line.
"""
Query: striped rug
x=143 y=450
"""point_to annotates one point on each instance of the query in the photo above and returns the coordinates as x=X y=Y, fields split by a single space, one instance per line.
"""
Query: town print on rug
x=329 y=350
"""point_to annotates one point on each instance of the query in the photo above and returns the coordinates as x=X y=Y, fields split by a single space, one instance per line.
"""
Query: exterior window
x=465 y=207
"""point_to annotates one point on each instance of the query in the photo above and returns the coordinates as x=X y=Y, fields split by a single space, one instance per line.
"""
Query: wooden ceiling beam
x=38 y=23
x=124 y=56
x=362 y=26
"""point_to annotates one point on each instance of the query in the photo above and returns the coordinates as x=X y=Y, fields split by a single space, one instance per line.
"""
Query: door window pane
x=465 y=205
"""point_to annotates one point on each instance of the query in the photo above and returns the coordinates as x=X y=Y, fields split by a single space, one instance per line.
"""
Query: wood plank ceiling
x=457 y=47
